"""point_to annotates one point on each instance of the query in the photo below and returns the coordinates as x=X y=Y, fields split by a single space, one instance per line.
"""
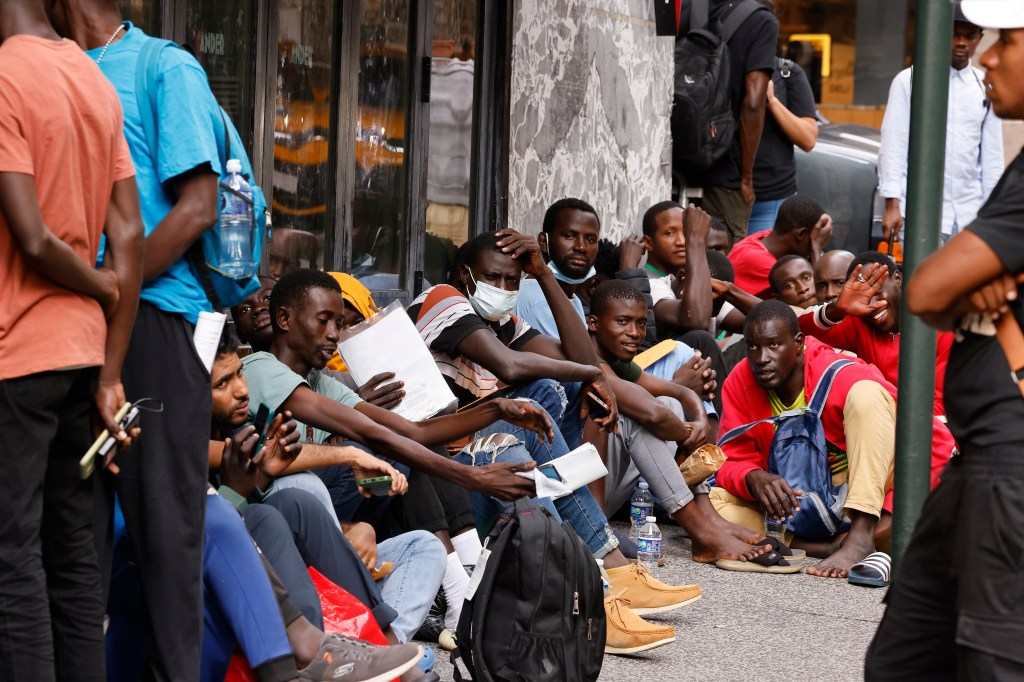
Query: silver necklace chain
x=106 y=46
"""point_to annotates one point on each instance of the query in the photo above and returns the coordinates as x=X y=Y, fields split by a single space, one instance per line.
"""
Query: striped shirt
x=444 y=318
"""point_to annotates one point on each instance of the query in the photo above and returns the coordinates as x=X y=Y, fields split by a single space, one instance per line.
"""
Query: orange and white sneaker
x=647 y=594
x=628 y=633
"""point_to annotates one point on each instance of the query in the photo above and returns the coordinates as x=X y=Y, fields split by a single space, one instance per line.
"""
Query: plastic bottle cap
x=643 y=485
x=234 y=166
x=651 y=519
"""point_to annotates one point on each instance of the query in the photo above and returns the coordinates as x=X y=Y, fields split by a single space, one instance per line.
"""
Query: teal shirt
x=187 y=114
x=271 y=382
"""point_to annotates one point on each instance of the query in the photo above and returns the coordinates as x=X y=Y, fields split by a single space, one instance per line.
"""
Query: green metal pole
x=928 y=106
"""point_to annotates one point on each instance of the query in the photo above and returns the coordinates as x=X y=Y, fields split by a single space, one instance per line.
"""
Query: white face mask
x=492 y=303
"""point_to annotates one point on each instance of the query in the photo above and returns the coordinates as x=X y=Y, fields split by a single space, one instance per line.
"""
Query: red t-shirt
x=878 y=348
x=60 y=122
x=744 y=401
x=752 y=263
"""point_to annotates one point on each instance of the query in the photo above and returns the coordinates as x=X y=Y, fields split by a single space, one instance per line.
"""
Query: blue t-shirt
x=187 y=116
x=533 y=307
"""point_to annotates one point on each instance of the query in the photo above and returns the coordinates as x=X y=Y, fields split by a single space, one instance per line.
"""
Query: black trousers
x=956 y=604
x=162 y=489
x=51 y=608
x=293 y=530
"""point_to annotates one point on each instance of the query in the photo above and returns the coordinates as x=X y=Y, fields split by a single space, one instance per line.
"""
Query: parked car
x=841 y=174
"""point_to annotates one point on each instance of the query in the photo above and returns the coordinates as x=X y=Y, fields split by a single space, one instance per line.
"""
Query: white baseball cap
x=994 y=13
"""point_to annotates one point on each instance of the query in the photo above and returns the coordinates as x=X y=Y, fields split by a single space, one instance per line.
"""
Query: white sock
x=468 y=546
x=455 y=582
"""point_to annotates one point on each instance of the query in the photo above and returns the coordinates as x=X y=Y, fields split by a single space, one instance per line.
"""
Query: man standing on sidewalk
x=162 y=485
x=974 y=140
x=65 y=179
x=956 y=606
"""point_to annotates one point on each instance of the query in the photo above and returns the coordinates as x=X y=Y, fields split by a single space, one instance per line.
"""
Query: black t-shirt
x=775 y=165
x=983 y=404
x=752 y=48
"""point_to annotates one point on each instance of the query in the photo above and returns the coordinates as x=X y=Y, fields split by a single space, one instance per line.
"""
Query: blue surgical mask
x=490 y=302
x=562 y=277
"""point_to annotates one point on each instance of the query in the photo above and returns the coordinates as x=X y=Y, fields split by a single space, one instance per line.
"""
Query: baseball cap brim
x=994 y=13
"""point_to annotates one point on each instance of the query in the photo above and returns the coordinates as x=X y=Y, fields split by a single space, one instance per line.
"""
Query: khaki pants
x=869 y=420
x=728 y=206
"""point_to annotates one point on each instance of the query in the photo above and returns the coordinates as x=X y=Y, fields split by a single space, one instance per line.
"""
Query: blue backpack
x=222 y=290
x=799 y=454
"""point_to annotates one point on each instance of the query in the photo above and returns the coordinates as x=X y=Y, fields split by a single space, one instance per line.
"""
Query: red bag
x=343 y=614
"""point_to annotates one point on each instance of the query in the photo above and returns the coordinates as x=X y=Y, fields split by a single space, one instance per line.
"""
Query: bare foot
x=859 y=542
x=838 y=565
x=728 y=527
x=724 y=546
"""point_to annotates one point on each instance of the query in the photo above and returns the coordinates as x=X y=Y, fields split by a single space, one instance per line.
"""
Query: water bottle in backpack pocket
x=237 y=224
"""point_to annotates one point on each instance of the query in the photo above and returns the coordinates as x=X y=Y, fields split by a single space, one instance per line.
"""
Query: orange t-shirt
x=60 y=122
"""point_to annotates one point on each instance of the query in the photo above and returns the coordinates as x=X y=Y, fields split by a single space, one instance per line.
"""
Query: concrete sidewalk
x=751 y=626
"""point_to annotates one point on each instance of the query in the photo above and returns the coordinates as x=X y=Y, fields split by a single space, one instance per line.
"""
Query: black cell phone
x=262 y=425
x=128 y=419
x=379 y=485
x=598 y=408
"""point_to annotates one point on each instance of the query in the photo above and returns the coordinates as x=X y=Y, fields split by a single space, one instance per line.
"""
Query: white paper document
x=573 y=470
x=389 y=342
x=207 y=337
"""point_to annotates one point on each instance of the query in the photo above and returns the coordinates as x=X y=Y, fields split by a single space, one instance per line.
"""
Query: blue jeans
x=666 y=367
x=762 y=216
x=561 y=402
x=580 y=510
x=420 y=561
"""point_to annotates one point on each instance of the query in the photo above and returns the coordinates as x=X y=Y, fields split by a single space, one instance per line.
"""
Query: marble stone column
x=590 y=104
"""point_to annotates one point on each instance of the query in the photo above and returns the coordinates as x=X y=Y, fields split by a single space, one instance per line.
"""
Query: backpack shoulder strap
x=820 y=395
x=737 y=16
x=698 y=14
x=740 y=430
x=147 y=69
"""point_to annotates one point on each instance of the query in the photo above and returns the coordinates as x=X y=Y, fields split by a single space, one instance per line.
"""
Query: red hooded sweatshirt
x=744 y=401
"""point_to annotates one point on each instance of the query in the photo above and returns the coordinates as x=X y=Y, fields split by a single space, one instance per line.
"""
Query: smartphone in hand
x=597 y=407
x=128 y=418
x=262 y=424
x=379 y=486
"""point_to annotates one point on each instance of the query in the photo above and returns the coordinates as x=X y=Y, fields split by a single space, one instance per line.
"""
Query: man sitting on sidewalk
x=859 y=420
x=792 y=282
x=830 y=274
x=654 y=434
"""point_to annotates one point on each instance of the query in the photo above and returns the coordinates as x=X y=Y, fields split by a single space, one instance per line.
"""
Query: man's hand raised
x=631 y=252
x=856 y=296
x=526 y=250
x=773 y=494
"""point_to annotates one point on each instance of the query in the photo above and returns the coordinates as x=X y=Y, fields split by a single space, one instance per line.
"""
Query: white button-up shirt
x=974 y=147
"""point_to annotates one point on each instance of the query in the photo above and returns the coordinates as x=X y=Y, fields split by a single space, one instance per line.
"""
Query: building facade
x=387 y=132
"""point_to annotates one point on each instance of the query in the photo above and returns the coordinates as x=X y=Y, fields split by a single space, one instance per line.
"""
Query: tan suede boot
x=628 y=633
x=647 y=594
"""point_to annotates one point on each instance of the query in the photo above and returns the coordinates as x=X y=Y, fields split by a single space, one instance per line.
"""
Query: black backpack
x=703 y=121
x=537 y=612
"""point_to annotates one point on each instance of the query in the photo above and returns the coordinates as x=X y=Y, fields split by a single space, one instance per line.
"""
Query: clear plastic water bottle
x=640 y=507
x=236 y=225
x=648 y=545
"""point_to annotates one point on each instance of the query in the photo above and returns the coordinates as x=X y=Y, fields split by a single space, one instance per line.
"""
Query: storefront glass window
x=379 y=232
x=221 y=35
x=302 y=178
x=451 y=134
